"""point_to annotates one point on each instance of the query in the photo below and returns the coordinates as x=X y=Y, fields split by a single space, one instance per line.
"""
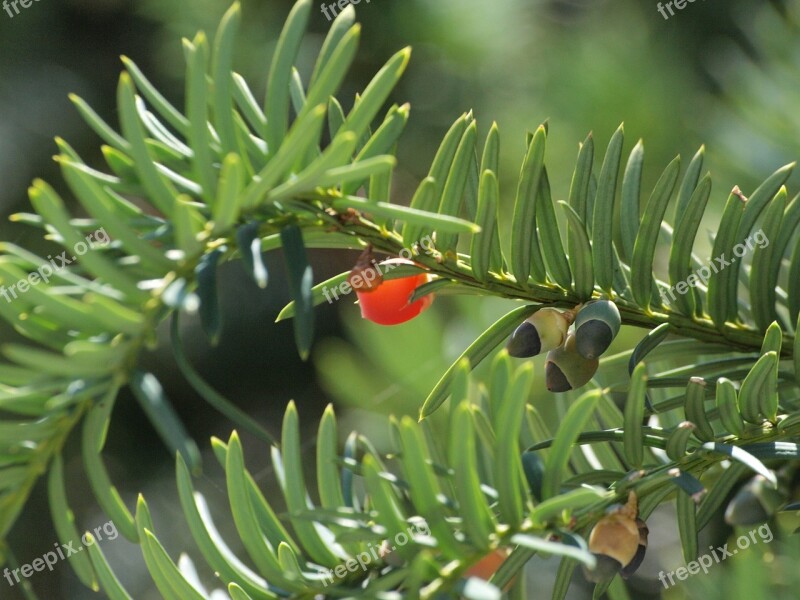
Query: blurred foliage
x=724 y=75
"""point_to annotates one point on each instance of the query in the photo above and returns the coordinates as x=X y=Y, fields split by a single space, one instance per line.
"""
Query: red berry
x=387 y=304
x=488 y=566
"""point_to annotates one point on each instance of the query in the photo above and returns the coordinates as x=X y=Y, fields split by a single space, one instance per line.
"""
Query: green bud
x=566 y=370
x=596 y=326
x=754 y=503
x=543 y=331
x=533 y=466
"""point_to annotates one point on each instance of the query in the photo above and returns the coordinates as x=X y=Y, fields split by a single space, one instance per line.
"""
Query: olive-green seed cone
x=566 y=370
x=745 y=509
x=525 y=341
x=544 y=330
x=754 y=503
x=555 y=378
x=596 y=326
x=593 y=338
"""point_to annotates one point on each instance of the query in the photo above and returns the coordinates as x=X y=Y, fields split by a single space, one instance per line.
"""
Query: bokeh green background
x=720 y=72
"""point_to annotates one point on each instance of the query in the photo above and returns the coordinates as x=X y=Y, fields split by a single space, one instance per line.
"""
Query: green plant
x=229 y=179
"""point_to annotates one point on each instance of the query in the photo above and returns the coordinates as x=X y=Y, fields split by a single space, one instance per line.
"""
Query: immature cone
x=533 y=467
x=566 y=370
x=596 y=326
x=754 y=503
x=618 y=541
x=543 y=331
